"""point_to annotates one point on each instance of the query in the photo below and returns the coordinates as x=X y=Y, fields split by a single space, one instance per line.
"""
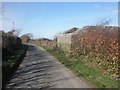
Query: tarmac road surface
x=39 y=69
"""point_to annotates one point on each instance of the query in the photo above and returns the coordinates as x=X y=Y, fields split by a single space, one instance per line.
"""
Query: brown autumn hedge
x=100 y=43
x=9 y=43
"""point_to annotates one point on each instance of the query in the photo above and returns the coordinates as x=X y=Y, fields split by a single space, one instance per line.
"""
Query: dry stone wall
x=64 y=42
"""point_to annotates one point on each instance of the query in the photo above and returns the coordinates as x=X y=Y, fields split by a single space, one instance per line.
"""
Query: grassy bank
x=11 y=62
x=84 y=70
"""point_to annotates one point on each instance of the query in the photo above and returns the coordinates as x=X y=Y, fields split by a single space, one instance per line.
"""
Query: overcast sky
x=48 y=18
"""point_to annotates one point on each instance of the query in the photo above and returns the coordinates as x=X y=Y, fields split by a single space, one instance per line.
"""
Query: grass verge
x=11 y=63
x=84 y=70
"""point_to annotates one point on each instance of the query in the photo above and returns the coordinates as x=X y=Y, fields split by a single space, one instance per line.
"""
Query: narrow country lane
x=40 y=69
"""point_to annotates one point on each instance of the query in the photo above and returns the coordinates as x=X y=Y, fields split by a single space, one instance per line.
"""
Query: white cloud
x=108 y=8
x=97 y=6
x=43 y=7
x=116 y=11
x=113 y=11
x=114 y=24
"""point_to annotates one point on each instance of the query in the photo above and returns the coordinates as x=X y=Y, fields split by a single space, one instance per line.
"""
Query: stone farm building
x=77 y=38
x=66 y=40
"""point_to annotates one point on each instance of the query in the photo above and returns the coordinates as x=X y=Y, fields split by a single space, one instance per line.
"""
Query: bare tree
x=26 y=37
x=103 y=21
x=29 y=35
x=15 y=32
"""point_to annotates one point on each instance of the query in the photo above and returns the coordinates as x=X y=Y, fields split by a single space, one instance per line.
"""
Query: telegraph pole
x=13 y=25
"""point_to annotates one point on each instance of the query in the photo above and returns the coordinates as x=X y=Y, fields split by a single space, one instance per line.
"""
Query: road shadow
x=32 y=70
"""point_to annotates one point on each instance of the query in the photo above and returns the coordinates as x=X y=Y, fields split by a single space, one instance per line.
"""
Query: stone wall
x=64 y=42
x=67 y=41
